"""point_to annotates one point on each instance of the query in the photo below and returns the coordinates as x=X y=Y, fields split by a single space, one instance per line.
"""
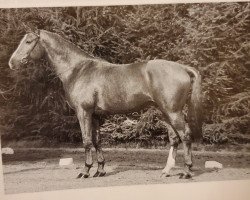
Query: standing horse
x=94 y=86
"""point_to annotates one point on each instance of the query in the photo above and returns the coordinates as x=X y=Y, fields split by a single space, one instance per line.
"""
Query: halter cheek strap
x=25 y=59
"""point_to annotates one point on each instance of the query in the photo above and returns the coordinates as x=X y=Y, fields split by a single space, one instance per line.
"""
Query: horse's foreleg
x=85 y=120
x=97 y=145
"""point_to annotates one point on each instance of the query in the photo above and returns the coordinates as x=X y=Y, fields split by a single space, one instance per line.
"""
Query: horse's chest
x=81 y=94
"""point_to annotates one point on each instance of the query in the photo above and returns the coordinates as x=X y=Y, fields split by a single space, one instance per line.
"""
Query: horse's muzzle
x=12 y=65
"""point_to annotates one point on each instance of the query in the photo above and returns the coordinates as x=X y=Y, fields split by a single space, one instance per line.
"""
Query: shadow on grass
x=198 y=172
x=24 y=170
x=123 y=168
x=175 y=171
x=30 y=156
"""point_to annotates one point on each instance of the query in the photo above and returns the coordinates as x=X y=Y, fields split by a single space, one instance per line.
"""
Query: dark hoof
x=185 y=176
x=165 y=175
x=81 y=175
x=181 y=176
x=102 y=174
x=85 y=176
x=99 y=174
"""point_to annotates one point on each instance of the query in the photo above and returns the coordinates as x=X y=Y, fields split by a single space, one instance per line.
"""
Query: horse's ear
x=33 y=28
x=30 y=28
x=27 y=28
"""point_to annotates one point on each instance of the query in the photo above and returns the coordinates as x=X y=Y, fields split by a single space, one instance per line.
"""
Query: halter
x=25 y=59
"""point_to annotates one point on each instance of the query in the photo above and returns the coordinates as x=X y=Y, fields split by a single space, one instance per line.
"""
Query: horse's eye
x=28 y=42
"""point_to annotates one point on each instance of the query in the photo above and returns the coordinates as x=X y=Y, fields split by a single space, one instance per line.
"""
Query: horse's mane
x=67 y=44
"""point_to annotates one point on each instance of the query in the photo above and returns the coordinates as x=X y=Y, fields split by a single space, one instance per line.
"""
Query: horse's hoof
x=165 y=175
x=96 y=174
x=181 y=176
x=80 y=175
x=102 y=174
x=85 y=176
x=99 y=174
x=185 y=176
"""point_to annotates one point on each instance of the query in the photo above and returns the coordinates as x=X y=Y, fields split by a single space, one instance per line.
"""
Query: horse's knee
x=87 y=144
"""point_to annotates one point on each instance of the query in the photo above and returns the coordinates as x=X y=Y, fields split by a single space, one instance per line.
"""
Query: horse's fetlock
x=88 y=166
x=101 y=163
x=188 y=164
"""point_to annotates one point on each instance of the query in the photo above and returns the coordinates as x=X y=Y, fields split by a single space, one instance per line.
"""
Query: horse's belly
x=123 y=104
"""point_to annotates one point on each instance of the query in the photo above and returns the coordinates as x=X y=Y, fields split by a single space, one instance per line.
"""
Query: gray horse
x=94 y=86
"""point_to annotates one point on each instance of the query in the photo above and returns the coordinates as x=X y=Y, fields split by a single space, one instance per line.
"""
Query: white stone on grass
x=66 y=161
x=213 y=164
x=7 y=150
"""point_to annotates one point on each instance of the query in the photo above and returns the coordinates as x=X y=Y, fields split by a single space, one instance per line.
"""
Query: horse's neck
x=63 y=55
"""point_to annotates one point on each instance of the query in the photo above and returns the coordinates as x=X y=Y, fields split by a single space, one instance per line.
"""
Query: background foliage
x=214 y=38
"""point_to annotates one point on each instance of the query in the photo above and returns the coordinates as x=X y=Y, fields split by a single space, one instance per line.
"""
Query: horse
x=95 y=87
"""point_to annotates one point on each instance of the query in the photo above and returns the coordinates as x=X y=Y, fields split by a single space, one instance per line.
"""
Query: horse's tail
x=194 y=107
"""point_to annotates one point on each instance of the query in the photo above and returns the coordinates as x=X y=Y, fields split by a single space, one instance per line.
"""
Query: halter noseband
x=25 y=59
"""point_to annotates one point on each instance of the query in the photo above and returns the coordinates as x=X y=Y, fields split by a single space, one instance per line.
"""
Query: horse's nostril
x=24 y=61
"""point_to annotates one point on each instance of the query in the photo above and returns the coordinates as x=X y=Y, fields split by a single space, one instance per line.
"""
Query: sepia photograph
x=124 y=95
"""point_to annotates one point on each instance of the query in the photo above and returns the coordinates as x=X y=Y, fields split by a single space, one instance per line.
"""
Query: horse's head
x=28 y=49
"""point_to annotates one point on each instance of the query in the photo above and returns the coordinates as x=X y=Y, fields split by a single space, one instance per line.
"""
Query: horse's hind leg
x=85 y=120
x=178 y=123
x=174 y=142
x=97 y=144
x=187 y=144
